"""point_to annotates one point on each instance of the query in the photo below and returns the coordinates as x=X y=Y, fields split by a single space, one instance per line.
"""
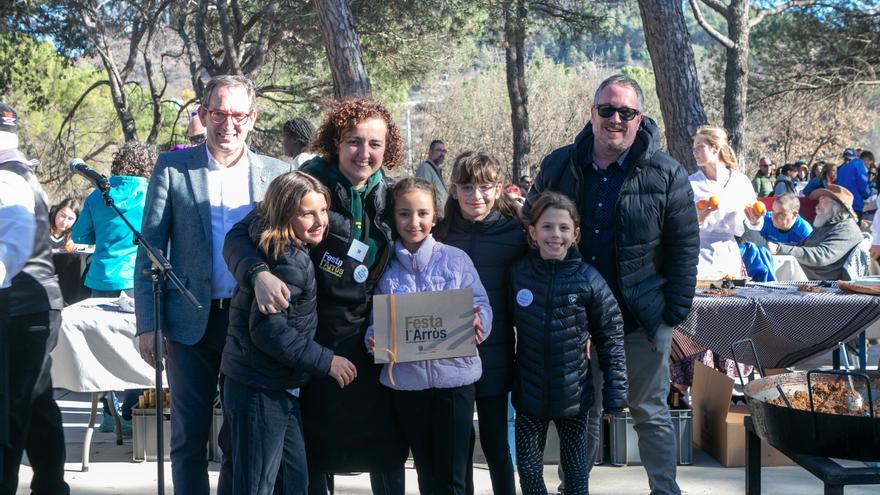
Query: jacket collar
x=571 y=262
x=415 y=262
x=461 y=223
x=646 y=143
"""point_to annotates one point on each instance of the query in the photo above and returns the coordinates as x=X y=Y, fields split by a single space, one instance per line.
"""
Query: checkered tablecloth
x=786 y=325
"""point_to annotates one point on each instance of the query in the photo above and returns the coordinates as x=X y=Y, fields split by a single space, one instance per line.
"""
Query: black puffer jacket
x=493 y=245
x=657 y=240
x=557 y=305
x=276 y=352
x=345 y=303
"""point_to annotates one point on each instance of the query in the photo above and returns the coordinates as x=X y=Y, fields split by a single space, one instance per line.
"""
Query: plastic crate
x=551 y=449
x=144 y=434
x=624 y=442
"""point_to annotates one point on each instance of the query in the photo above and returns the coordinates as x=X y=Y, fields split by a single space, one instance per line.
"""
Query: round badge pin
x=361 y=273
x=524 y=297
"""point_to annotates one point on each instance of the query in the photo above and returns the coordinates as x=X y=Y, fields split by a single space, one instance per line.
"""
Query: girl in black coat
x=482 y=222
x=560 y=303
x=268 y=357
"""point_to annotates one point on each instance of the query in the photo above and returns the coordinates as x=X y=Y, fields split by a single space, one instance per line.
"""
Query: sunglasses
x=627 y=114
x=197 y=139
x=219 y=116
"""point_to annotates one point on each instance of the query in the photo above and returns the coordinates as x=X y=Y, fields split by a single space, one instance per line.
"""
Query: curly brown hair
x=135 y=159
x=344 y=116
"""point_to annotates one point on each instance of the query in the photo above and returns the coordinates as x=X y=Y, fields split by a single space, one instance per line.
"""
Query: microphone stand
x=160 y=271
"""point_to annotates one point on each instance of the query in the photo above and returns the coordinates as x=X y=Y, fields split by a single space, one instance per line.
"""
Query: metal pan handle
x=733 y=346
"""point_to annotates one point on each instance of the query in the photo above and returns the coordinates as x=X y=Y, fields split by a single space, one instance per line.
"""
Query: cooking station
x=814 y=418
x=834 y=476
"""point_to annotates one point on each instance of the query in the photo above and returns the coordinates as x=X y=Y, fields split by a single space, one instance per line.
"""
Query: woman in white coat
x=725 y=200
x=724 y=197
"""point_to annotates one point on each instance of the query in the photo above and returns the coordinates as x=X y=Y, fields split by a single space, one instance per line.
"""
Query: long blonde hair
x=280 y=204
x=717 y=137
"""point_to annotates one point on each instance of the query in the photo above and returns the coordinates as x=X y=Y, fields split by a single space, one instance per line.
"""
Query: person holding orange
x=725 y=204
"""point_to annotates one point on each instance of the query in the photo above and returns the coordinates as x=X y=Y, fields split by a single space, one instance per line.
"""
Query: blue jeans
x=129 y=399
x=265 y=428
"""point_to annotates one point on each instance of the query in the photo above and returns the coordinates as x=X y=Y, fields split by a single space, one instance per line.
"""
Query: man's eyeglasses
x=219 y=116
x=471 y=189
x=627 y=114
x=198 y=139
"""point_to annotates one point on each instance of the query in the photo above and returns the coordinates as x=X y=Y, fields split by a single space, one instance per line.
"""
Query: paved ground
x=113 y=472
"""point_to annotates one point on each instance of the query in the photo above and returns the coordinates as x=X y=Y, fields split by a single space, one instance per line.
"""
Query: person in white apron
x=725 y=200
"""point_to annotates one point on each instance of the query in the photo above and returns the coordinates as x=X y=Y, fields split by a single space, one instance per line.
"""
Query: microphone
x=79 y=167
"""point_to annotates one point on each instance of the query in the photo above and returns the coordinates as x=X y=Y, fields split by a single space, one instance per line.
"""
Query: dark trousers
x=192 y=376
x=381 y=482
x=492 y=412
x=35 y=420
x=265 y=428
x=437 y=423
x=531 y=438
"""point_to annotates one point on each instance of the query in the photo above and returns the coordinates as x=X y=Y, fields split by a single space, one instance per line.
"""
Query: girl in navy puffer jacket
x=482 y=221
x=560 y=303
x=433 y=399
x=268 y=357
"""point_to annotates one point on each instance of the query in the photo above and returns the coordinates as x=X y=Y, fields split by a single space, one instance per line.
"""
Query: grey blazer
x=177 y=220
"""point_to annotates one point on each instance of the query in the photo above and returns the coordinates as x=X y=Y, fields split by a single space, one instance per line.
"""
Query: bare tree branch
x=76 y=105
x=717 y=6
x=230 y=47
x=256 y=60
x=754 y=21
x=698 y=15
x=208 y=60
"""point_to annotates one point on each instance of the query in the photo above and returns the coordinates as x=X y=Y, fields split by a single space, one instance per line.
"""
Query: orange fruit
x=759 y=208
x=701 y=204
x=713 y=201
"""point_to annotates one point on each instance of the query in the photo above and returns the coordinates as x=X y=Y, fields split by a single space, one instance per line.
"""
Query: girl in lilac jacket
x=433 y=399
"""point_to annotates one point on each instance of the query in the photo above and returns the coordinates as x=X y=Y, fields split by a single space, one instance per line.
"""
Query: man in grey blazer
x=195 y=196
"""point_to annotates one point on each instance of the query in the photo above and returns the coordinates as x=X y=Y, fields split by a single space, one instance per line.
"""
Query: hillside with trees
x=790 y=79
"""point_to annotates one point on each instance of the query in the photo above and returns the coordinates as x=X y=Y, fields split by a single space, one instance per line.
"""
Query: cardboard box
x=718 y=426
x=427 y=325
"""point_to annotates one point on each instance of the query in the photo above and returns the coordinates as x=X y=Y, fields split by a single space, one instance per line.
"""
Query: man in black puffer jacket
x=639 y=229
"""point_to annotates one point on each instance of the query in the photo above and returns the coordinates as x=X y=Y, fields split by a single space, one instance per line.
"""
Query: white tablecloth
x=788 y=269
x=97 y=349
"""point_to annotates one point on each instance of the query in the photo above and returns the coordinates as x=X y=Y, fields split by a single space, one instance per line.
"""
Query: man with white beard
x=823 y=254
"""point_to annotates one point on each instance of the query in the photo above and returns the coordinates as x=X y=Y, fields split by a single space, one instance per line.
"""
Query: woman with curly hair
x=112 y=266
x=350 y=429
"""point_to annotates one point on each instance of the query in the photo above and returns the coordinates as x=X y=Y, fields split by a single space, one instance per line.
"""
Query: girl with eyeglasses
x=482 y=221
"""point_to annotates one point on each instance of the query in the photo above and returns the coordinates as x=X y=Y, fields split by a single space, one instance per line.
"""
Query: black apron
x=350 y=429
